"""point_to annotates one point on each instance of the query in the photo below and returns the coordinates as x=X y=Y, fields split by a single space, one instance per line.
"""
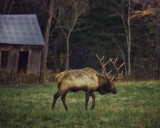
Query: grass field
x=137 y=105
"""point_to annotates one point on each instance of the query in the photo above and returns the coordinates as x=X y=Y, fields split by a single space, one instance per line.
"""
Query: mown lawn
x=137 y=105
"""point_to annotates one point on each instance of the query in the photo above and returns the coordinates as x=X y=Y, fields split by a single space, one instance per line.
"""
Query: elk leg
x=56 y=96
x=93 y=101
x=87 y=99
x=64 y=102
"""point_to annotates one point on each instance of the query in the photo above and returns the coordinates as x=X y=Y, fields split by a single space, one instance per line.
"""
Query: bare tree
x=123 y=10
x=67 y=16
x=6 y=6
x=46 y=38
x=121 y=51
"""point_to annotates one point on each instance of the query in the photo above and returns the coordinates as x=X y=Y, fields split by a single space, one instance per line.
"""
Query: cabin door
x=23 y=61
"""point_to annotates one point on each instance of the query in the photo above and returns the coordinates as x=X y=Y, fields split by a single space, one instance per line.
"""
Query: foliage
x=136 y=105
x=4 y=76
x=21 y=78
x=98 y=31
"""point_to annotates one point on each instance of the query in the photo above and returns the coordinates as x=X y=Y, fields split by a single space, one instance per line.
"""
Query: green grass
x=137 y=105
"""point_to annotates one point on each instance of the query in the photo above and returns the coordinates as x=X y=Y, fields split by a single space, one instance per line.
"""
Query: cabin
x=21 y=44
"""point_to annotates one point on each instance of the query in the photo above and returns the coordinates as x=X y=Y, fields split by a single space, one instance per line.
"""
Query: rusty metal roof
x=20 y=29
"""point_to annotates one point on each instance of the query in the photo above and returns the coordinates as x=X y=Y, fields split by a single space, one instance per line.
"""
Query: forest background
x=76 y=30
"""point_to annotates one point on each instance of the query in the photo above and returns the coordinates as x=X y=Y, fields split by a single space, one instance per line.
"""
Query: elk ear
x=115 y=78
x=118 y=76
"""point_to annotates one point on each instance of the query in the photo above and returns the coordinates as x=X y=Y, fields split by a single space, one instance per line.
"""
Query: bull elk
x=87 y=80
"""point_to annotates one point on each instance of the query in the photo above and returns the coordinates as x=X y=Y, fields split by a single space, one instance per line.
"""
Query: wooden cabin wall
x=34 y=62
x=34 y=58
x=0 y=59
x=13 y=61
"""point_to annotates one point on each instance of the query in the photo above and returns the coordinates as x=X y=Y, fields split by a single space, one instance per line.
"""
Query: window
x=4 y=59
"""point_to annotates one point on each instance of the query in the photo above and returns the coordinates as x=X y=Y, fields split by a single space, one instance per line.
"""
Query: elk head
x=110 y=81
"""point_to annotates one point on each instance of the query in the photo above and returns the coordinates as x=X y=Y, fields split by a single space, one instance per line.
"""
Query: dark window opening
x=23 y=61
x=4 y=59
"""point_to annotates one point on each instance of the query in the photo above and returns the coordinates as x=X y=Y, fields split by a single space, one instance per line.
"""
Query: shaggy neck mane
x=102 y=80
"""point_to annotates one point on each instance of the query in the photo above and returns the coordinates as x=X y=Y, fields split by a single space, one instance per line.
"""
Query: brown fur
x=86 y=79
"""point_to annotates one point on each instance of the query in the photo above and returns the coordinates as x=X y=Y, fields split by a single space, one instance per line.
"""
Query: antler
x=118 y=75
x=104 y=65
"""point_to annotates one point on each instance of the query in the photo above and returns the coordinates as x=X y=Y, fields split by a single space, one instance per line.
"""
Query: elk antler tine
x=103 y=64
x=111 y=59
x=108 y=73
x=114 y=77
x=116 y=60
x=118 y=75
x=121 y=65
x=99 y=57
x=106 y=63
x=121 y=73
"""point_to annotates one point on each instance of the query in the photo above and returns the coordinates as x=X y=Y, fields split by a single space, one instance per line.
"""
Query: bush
x=7 y=78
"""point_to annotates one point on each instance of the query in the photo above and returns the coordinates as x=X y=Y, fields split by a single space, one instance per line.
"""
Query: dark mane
x=104 y=84
x=102 y=79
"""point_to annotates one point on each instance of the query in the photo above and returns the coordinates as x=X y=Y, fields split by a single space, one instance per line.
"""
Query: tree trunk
x=129 y=39
x=129 y=50
x=46 y=39
x=127 y=28
x=157 y=42
x=67 y=54
x=129 y=62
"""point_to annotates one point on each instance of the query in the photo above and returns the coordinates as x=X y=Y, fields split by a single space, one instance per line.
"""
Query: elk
x=87 y=80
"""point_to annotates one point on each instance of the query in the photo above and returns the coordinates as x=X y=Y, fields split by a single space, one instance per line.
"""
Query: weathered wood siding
x=34 y=62
x=34 y=57
x=13 y=61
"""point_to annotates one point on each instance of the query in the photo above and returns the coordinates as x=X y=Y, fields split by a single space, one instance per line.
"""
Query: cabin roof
x=20 y=29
